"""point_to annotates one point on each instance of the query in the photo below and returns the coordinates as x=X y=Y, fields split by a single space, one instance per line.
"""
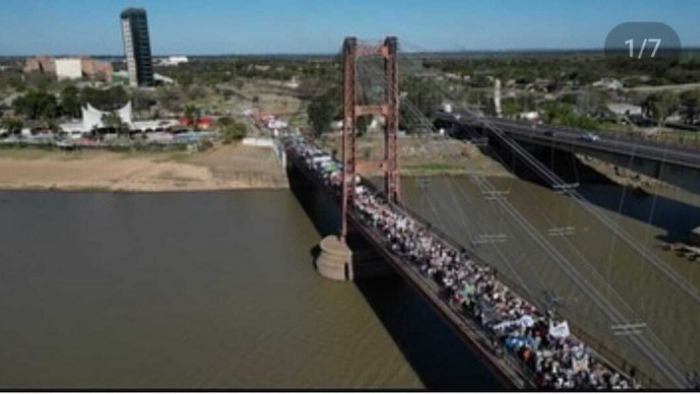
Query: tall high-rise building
x=137 y=47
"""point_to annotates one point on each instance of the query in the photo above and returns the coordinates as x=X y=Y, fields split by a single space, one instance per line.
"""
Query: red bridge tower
x=389 y=109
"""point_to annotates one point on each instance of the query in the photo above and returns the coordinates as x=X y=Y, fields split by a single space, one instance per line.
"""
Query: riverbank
x=223 y=167
x=623 y=176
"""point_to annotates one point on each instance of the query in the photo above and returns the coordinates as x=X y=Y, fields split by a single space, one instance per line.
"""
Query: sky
x=199 y=27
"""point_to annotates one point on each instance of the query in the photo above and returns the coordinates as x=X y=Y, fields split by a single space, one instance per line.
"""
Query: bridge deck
x=551 y=136
x=510 y=369
x=505 y=368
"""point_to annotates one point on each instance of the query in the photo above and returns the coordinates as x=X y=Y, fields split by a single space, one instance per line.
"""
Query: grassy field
x=422 y=156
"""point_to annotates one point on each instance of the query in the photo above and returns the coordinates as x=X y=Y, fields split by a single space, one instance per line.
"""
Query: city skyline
x=79 y=27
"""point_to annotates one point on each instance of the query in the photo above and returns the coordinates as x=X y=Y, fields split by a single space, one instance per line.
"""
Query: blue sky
x=29 y=27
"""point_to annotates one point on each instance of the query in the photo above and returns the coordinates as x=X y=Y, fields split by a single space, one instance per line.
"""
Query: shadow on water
x=676 y=217
x=673 y=215
x=436 y=354
x=434 y=351
x=314 y=252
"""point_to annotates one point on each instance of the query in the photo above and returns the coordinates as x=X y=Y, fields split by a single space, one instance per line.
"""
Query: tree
x=323 y=109
x=36 y=105
x=105 y=99
x=424 y=96
x=171 y=99
x=192 y=114
x=142 y=100
x=70 y=101
x=13 y=125
x=563 y=114
x=52 y=125
x=224 y=121
x=112 y=120
x=40 y=81
x=591 y=101
x=361 y=124
x=691 y=101
x=196 y=92
x=232 y=131
x=662 y=104
x=12 y=79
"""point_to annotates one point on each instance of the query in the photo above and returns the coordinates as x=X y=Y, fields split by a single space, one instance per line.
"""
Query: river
x=217 y=289
x=201 y=290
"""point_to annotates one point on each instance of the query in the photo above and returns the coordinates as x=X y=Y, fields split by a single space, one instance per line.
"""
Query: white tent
x=92 y=117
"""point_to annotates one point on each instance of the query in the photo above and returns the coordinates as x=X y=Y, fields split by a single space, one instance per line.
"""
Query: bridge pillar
x=335 y=259
x=338 y=261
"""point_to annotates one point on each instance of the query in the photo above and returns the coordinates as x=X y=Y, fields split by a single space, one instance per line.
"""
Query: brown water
x=201 y=290
x=204 y=290
x=610 y=267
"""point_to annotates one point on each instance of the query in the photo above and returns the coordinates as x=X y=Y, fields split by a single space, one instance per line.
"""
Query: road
x=550 y=136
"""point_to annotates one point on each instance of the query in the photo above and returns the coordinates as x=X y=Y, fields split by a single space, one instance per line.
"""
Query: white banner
x=561 y=330
x=526 y=321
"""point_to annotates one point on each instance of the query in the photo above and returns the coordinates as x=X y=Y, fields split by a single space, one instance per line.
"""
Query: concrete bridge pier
x=349 y=261
x=343 y=261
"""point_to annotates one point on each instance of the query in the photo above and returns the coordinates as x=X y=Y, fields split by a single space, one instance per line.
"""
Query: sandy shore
x=224 y=167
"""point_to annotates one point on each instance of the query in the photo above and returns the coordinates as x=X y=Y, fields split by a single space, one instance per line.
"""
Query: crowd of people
x=545 y=347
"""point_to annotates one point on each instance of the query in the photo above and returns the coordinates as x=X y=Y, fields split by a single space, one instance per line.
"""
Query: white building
x=173 y=60
x=624 y=108
x=92 y=117
x=69 y=68
x=277 y=124
x=154 y=124
x=531 y=116
x=608 y=83
x=293 y=84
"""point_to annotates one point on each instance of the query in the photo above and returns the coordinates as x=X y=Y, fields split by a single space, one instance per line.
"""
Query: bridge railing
x=655 y=139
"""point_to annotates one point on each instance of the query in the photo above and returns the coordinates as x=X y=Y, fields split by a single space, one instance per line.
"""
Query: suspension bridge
x=554 y=281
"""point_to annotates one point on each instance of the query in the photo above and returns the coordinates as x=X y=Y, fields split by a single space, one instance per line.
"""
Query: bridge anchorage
x=337 y=260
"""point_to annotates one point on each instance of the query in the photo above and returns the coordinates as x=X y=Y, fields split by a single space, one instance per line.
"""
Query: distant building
x=293 y=84
x=120 y=77
x=624 y=109
x=154 y=125
x=42 y=64
x=173 y=60
x=94 y=69
x=203 y=123
x=530 y=116
x=69 y=68
x=608 y=84
x=137 y=47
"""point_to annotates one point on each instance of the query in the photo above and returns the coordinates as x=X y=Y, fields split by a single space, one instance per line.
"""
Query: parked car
x=590 y=137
